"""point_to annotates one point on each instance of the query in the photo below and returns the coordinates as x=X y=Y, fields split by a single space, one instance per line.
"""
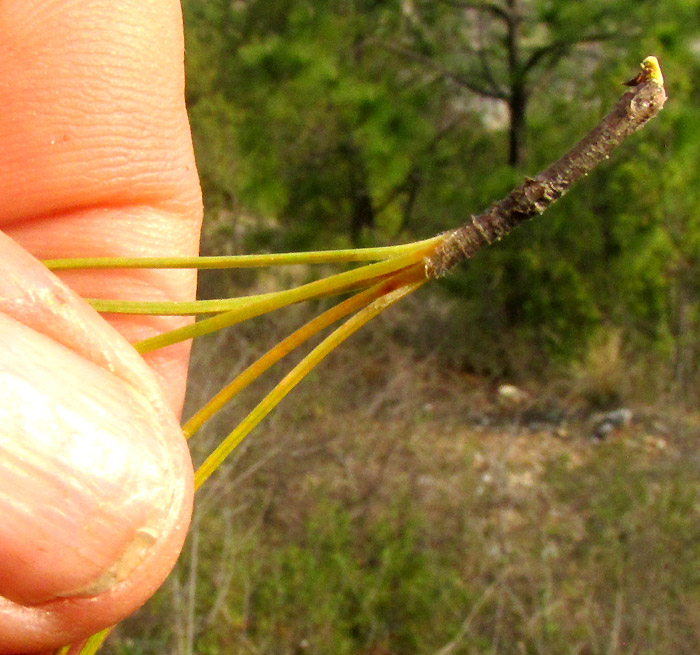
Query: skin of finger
x=43 y=237
x=95 y=150
x=95 y=158
x=110 y=467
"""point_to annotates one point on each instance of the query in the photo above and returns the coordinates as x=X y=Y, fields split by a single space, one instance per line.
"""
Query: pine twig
x=535 y=194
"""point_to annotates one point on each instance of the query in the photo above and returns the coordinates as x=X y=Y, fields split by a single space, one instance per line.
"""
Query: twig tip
x=651 y=72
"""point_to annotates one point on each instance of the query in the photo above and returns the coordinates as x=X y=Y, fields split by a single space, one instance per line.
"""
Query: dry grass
x=396 y=505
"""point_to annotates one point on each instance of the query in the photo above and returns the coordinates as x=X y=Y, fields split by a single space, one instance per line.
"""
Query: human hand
x=95 y=160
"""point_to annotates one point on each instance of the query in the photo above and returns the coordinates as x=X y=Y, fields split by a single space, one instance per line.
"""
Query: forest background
x=397 y=503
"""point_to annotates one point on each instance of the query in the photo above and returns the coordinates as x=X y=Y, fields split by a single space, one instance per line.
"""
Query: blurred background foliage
x=394 y=504
x=327 y=123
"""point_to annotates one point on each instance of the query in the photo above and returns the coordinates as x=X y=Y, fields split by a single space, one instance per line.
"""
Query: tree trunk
x=517 y=106
x=361 y=205
x=517 y=101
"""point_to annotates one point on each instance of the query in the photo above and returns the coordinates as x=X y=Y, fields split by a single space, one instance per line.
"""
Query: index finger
x=95 y=150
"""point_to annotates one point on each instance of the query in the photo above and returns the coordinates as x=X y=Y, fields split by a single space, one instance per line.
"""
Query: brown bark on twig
x=534 y=195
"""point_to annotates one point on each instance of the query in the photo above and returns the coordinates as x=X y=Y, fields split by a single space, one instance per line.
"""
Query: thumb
x=95 y=477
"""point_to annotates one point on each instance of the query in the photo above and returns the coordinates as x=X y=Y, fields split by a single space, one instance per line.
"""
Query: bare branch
x=485 y=63
x=534 y=195
x=443 y=72
x=489 y=7
x=557 y=49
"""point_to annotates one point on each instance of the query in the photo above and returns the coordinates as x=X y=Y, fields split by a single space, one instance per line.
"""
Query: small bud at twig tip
x=651 y=72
